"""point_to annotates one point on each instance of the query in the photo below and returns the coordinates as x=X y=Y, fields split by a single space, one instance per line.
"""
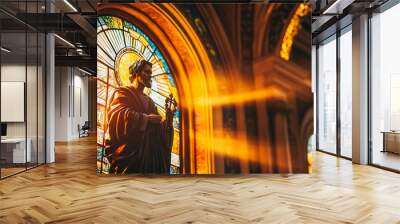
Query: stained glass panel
x=102 y=71
x=104 y=58
x=120 y=43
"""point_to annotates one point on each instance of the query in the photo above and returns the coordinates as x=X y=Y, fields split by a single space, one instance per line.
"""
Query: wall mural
x=120 y=43
x=179 y=93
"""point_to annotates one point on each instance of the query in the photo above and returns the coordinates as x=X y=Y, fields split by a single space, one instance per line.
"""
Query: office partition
x=22 y=78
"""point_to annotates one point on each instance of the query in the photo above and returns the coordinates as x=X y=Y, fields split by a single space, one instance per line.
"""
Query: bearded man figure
x=140 y=142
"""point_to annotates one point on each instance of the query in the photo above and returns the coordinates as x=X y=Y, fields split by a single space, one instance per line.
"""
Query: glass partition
x=22 y=89
x=385 y=89
x=31 y=97
x=41 y=96
x=327 y=96
x=346 y=93
x=13 y=94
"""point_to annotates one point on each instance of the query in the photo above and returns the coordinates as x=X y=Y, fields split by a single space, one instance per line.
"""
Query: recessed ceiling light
x=64 y=40
x=5 y=50
x=337 y=7
x=70 y=5
x=86 y=72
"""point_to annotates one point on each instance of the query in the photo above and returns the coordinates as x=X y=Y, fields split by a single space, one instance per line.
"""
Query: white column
x=360 y=90
x=50 y=92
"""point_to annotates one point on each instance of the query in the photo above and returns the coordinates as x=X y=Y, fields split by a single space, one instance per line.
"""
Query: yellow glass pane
x=161 y=112
x=122 y=66
x=116 y=22
x=134 y=34
x=143 y=41
x=175 y=144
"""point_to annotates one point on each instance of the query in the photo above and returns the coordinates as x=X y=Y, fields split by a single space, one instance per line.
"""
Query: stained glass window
x=119 y=44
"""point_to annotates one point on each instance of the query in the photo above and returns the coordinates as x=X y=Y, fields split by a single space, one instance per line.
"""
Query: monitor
x=3 y=129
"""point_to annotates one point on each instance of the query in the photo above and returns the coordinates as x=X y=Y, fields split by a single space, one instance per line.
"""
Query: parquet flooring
x=10 y=171
x=69 y=191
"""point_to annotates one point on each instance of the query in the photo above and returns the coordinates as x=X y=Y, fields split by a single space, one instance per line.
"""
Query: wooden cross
x=170 y=105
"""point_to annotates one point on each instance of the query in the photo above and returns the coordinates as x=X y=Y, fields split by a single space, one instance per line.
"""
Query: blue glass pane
x=171 y=80
x=129 y=26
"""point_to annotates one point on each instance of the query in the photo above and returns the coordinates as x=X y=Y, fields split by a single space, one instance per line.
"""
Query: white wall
x=71 y=102
x=61 y=103
x=34 y=125
x=80 y=110
x=14 y=73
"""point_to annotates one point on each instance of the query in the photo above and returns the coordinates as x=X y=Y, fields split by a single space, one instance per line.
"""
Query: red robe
x=136 y=145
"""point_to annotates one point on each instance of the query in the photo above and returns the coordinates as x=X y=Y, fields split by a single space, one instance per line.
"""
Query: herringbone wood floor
x=70 y=192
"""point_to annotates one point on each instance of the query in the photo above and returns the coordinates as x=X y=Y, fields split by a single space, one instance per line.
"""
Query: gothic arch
x=262 y=16
x=267 y=36
x=227 y=56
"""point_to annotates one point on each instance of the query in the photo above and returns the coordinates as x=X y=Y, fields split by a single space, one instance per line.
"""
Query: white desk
x=391 y=141
x=13 y=150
